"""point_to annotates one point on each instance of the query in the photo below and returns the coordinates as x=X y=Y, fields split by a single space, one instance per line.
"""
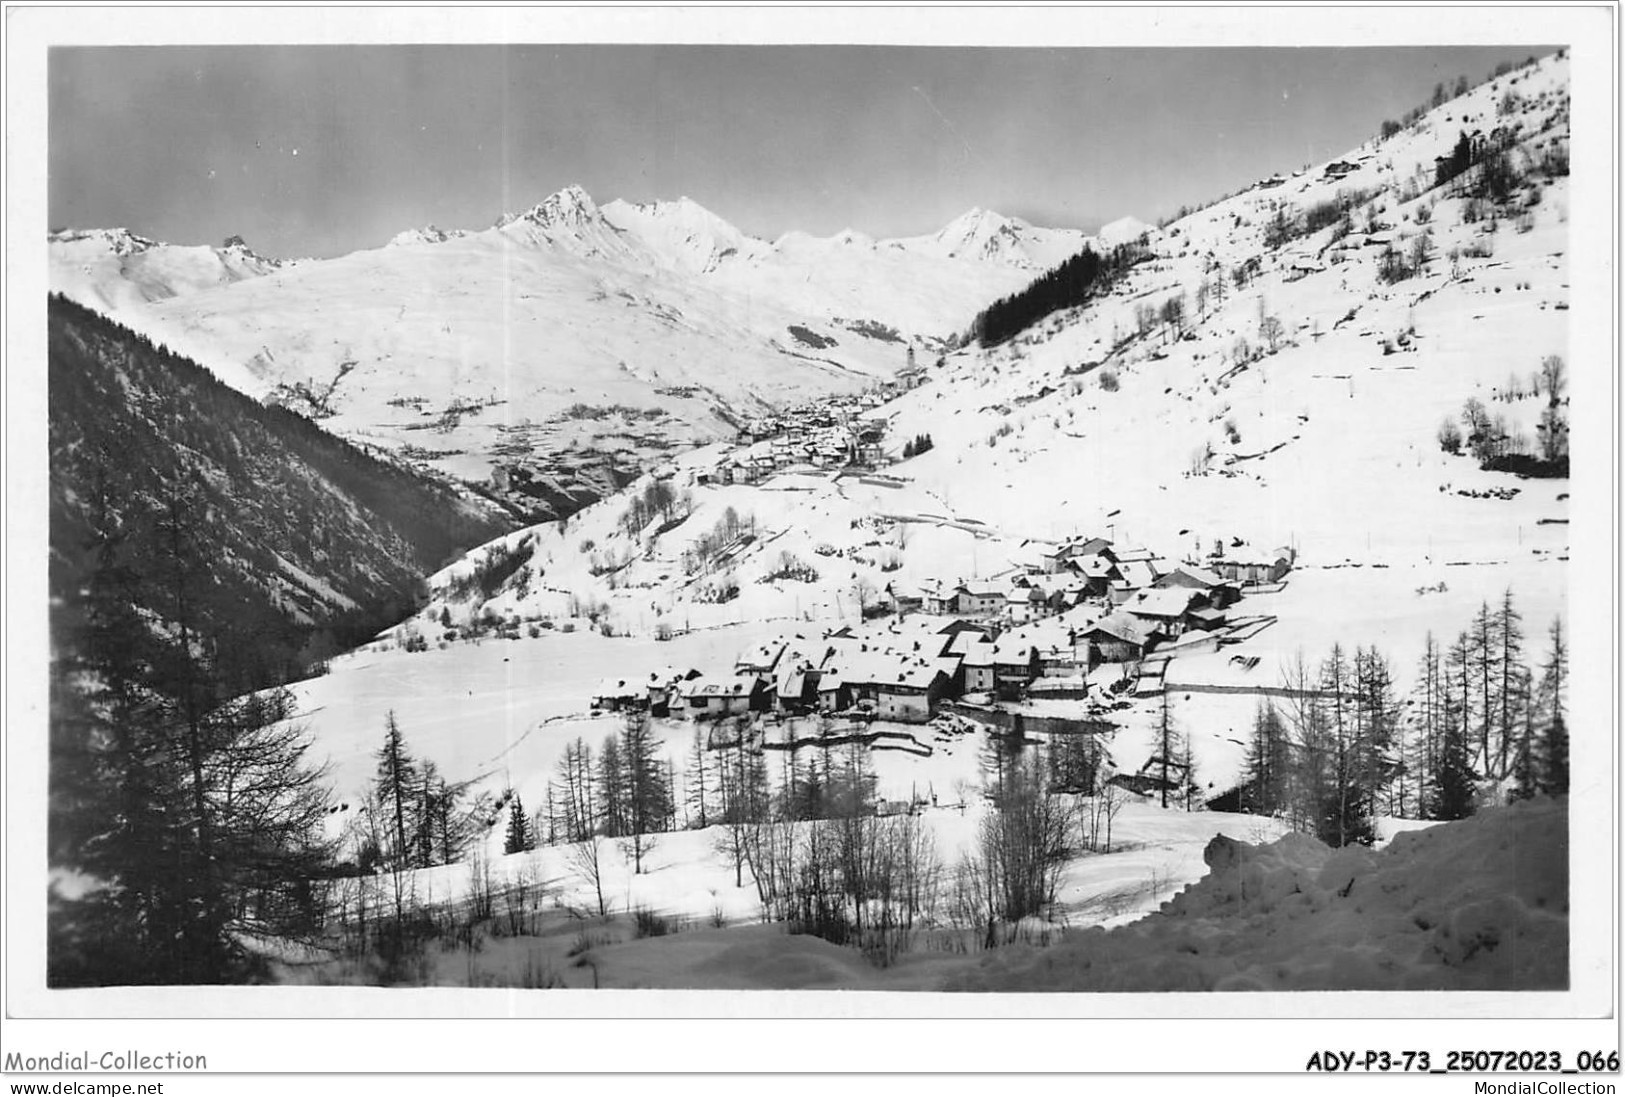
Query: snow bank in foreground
x=1477 y=905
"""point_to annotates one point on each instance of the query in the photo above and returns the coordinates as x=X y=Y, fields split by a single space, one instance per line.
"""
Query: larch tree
x=1554 y=745
x=1428 y=720
x=1509 y=671
x=648 y=797
x=396 y=783
x=699 y=780
x=1170 y=747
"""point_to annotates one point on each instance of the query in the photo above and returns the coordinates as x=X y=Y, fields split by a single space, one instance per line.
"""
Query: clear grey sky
x=320 y=150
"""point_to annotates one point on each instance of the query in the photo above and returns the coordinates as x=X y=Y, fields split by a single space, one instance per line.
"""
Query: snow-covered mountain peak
x=571 y=207
x=985 y=236
x=975 y=221
x=1122 y=230
x=118 y=241
x=681 y=217
x=235 y=250
x=683 y=234
x=428 y=234
x=980 y=233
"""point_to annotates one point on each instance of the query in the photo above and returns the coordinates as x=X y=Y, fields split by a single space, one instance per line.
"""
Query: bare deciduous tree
x=585 y=861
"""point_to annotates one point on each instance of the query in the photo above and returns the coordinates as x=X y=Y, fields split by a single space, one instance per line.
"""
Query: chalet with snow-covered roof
x=1024 y=603
x=1339 y=168
x=708 y=698
x=620 y=695
x=1097 y=572
x=905 y=598
x=937 y=599
x=1136 y=574
x=1118 y=638
x=752 y=470
x=1168 y=609
x=1015 y=663
x=899 y=686
x=911 y=697
x=1075 y=551
x=1221 y=592
x=828 y=455
x=661 y=684
x=796 y=686
x=1064 y=656
x=832 y=690
x=759 y=430
x=1250 y=570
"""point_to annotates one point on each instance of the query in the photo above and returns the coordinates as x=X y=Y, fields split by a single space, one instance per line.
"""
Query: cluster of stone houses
x=1090 y=571
x=840 y=673
x=1091 y=614
x=835 y=432
x=811 y=444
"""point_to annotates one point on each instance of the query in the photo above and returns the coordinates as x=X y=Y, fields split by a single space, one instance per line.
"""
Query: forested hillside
x=202 y=545
x=307 y=543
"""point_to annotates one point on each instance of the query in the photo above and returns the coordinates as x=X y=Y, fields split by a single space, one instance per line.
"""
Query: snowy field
x=1480 y=904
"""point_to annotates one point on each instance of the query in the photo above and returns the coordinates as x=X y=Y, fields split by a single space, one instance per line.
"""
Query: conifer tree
x=1453 y=781
x=1343 y=815
x=1268 y=762
x=647 y=796
x=698 y=782
x=1429 y=698
x=519 y=838
x=1509 y=671
x=1525 y=764
x=1377 y=729
x=1554 y=745
x=611 y=789
x=1452 y=793
x=1170 y=747
x=396 y=783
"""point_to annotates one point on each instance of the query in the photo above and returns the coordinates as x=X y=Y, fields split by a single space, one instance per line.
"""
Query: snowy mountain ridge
x=571 y=344
x=428 y=234
x=118 y=271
